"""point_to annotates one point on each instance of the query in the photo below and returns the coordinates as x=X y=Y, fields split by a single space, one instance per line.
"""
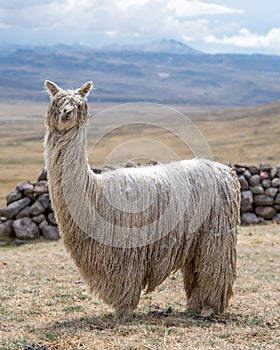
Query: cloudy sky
x=210 y=25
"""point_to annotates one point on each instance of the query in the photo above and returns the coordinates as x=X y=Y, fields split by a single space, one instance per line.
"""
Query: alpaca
x=127 y=230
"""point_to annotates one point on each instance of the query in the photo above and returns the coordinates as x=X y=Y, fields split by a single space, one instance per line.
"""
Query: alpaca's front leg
x=124 y=313
x=124 y=308
x=195 y=304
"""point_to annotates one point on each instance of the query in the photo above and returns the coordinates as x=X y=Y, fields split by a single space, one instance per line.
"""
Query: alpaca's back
x=138 y=206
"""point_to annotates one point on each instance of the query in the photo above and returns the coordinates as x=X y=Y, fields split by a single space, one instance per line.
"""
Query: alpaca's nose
x=66 y=115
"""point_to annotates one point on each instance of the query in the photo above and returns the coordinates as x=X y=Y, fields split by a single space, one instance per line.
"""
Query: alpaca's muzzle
x=66 y=116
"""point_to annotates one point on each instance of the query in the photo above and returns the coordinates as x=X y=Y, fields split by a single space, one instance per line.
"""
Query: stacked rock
x=260 y=193
x=28 y=213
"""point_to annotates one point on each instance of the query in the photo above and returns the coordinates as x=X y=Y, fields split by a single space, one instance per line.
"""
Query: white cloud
x=123 y=16
x=126 y=4
x=247 y=39
x=111 y=33
x=204 y=22
x=191 y=8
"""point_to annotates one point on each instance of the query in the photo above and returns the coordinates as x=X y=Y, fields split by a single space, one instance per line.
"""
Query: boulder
x=265 y=167
x=25 y=186
x=43 y=175
x=247 y=174
x=96 y=170
x=243 y=182
x=272 y=173
x=50 y=232
x=108 y=167
x=239 y=169
x=6 y=230
x=277 y=199
x=14 y=208
x=271 y=191
x=51 y=218
x=24 y=213
x=255 y=180
x=266 y=183
x=30 y=195
x=277 y=207
x=36 y=208
x=263 y=200
x=277 y=218
x=265 y=212
x=253 y=169
x=43 y=224
x=257 y=189
x=247 y=198
x=249 y=219
x=41 y=187
x=131 y=164
x=275 y=182
x=246 y=209
x=154 y=162
x=44 y=199
x=25 y=228
x=13 y=196
x=39 y=218
x=264 y=175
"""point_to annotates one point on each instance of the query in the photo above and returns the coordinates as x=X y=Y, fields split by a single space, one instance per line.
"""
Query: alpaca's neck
x=66 y=152
x=70 y=177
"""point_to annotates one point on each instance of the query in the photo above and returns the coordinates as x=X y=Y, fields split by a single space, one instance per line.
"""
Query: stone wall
x=260 y=193
x=29 y=213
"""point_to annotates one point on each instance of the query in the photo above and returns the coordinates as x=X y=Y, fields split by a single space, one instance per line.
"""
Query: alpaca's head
x=68 y=108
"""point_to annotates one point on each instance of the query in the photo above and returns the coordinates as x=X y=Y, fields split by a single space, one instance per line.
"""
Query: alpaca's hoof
x=207 y=312
x=124 y=315
x=192 y=310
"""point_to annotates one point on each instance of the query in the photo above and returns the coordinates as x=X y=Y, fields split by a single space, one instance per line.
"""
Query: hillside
x=248 y=135
x=167 y=72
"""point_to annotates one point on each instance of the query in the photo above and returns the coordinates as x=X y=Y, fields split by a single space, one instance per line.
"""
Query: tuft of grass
x=73 y=308
x=14 y=344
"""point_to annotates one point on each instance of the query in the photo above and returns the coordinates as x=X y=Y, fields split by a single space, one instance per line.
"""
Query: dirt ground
x=44 y=303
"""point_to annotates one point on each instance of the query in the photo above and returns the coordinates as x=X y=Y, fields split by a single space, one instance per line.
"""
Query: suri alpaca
x=127 y=230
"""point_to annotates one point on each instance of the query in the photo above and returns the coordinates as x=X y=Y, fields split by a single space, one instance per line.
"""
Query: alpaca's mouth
x=66 y=118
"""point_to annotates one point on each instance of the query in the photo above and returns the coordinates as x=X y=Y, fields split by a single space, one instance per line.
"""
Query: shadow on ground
x=152 y=318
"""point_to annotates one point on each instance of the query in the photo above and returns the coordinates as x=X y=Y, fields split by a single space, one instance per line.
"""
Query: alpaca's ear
x=52 y=88
x=85 y=89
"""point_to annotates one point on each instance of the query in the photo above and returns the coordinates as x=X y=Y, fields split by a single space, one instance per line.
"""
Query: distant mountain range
x=167 y=72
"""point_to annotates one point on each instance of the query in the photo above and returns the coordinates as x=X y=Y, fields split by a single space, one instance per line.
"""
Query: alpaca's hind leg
x=193 y=303
x=191 y=288
x=194 y=299
x=215 y=267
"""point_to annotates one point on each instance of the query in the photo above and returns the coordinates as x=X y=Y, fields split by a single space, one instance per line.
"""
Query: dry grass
x=44 y=302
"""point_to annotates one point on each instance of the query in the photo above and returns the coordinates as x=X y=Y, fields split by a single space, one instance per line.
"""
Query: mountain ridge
x=163 y=72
